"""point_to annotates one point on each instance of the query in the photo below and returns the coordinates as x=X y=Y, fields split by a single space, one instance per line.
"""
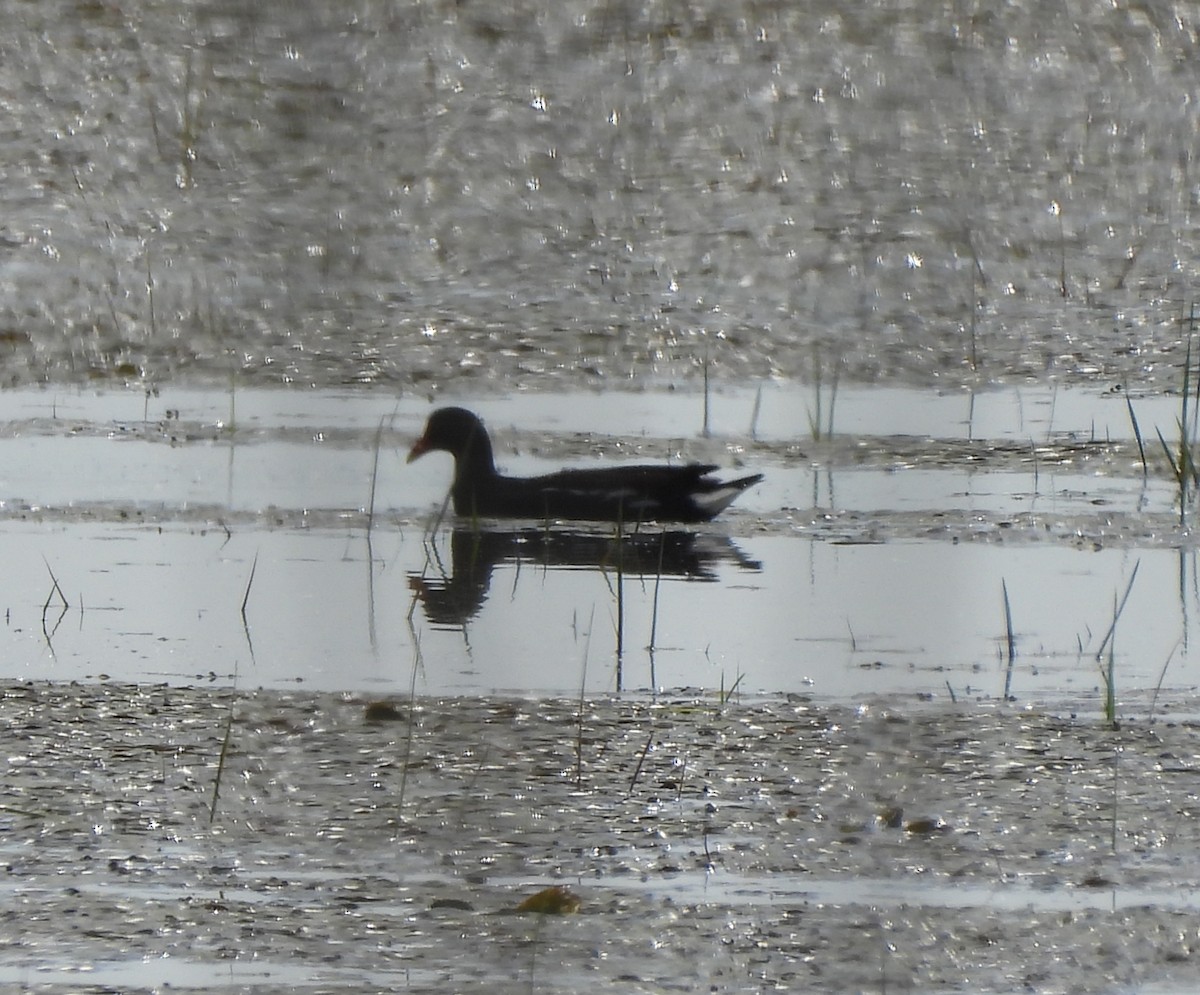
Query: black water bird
x=630 y=494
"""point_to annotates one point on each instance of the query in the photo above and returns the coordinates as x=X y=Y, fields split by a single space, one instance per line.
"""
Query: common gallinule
x=684 y=493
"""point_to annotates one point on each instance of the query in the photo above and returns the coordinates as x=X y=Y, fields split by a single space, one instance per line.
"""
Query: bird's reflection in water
x=455 y=596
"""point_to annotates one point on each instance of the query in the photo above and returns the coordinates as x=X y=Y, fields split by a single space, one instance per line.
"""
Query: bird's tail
x=714 y=502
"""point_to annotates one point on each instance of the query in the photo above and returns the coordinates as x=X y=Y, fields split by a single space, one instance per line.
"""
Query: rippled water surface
x=917 y=713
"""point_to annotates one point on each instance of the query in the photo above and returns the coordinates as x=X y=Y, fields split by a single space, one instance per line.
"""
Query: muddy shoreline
x=762 y=844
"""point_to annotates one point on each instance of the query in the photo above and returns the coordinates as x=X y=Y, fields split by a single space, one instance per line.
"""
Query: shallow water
x=807 y=585
x=837 y=620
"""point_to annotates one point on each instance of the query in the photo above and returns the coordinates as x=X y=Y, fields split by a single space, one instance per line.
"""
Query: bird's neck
x=476 y=459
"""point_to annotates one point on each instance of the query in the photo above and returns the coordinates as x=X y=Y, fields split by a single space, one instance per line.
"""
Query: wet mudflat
x=761 y=844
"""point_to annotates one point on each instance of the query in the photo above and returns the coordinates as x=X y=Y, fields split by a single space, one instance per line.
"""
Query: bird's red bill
x=420 y=448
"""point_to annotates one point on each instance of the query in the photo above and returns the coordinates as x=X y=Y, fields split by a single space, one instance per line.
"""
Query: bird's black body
x=662 y=493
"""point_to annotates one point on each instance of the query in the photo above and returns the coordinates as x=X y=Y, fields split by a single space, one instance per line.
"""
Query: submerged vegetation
x=1182 y=457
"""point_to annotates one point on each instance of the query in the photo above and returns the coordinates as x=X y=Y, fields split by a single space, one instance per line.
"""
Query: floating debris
x=555 y=901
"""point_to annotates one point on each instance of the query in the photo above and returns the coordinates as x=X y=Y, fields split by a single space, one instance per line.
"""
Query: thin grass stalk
x=212 y=807
x=372 y=631
x=814 y=415
x=1191 y=335
x=620 y=599
x=1116 y=783
x=1184 y=425
x=1137 y=434
x=1187 y=472
x=974 y=311
x=374 y=477
x=1110 y=679
x=640 y=764
x=1177 y=473
x=188 y=131
x=662 y=546
x=150 y=296
x=48 y=631
x=158 y=145
x=1118 y=609
x=579 y=723
x=249 y=584
x=833 y=392
x=587 y=646
x=232 y=426
x=724 y=695
x=1186 y=557
x=1169 y=454
x=55 y=589
x=1062 y=251
x=1011 y=641
x=418 y=664
x=1162 y=674
x=245 y=602
x=1194 y=429
x=1053 y=408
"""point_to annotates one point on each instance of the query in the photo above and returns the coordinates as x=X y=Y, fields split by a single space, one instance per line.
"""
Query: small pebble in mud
x=925 y=826
x=382 y=711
